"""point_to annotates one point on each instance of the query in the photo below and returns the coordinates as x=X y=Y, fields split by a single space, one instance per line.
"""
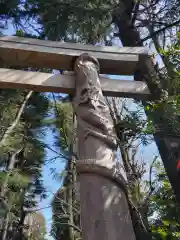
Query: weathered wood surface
x=47 y=82
x=59 y=55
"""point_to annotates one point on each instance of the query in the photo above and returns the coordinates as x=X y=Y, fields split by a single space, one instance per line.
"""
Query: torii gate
x=107 y=214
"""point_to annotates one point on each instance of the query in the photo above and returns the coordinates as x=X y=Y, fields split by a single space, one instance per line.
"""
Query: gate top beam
x=27 y=52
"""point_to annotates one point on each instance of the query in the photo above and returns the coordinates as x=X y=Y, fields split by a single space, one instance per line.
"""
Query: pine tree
x=66 y=212
x=22 y=157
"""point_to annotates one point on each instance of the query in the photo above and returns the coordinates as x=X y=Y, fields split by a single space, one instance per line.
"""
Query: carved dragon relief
x=95 y=129
x=95 y=126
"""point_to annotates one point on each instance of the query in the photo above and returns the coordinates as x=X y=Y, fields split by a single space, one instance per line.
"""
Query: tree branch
x=158 y=31
x=9 y=171
x=71 y=225
x=136 y=10
x=146 y=22
x=16 y=120
x=151 y=187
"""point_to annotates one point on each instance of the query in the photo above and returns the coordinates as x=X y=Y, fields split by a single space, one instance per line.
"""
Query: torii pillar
x=104 y=207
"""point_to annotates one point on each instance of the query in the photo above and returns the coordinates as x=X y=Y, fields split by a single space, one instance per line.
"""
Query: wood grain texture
x=75 y=46
x=57 y=55
x=47 y=82
x=104 y=210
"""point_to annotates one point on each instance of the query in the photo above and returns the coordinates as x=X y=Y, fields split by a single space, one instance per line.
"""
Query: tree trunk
x=10 y=129
x=4 y=189
x=5 y=227
x=9 y=169
x=12 y=162
x=140 y=221
x=70 y=182
x=70 y=200
x=130 y=37
x=20 y=235
x=139 y=218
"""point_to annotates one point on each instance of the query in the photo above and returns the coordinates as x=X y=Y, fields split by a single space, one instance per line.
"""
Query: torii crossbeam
x=47 y=82
x=25 y=52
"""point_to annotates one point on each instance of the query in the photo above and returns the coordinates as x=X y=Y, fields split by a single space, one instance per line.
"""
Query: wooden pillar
x=103 y=198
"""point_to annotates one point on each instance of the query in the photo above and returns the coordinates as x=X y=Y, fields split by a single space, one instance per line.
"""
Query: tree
x=36 y=226
x=132 y=131
x=22 y=156
x=131 y=38
x=8 y=10
x=66 y=210
x=164 y=209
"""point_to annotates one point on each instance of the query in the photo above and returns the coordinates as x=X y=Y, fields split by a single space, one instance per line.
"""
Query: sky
x=51 y=184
